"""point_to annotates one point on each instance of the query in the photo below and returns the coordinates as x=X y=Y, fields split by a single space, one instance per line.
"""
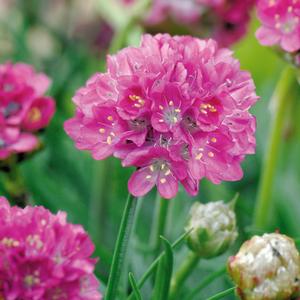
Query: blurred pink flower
x=23 y=108
x=43 y=257
x=175 y=107
x=280 y=23
x=226 y=21
x=13 y=141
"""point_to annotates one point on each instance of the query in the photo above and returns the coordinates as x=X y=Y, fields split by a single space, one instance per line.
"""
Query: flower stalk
x=121 y=247
x=264 y=197
x=98 y=199
x=159 y=223
x=209 y=279
x=14 y=185
x=187 y=267
x=120 y=38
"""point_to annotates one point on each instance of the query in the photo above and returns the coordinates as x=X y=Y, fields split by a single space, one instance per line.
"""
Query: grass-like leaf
x=134 y=286
x=164 y=272
x=153 y=266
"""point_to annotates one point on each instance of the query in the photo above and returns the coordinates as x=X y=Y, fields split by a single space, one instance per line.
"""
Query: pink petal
x=26 y=142
x=167 y=186
x=267 y=36
x=141 y=182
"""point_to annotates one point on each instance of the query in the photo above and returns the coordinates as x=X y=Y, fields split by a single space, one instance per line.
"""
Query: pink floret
x=280 y=20
x=23 y=108
x=176 y=108
x=42 y=257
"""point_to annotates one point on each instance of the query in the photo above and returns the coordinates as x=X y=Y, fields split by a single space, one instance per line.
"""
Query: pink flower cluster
x=176 y=108
x=23 y=108
x=280 y=23
x=224 y=20
x=42 y=257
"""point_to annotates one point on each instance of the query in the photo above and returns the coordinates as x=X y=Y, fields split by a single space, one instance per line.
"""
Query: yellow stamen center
x=35 y=115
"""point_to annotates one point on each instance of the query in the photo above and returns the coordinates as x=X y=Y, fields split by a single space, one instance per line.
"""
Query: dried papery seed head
x=213 y=228
x=266 y=267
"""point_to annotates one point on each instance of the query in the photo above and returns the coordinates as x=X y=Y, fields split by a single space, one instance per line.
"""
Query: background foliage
x=70 y=45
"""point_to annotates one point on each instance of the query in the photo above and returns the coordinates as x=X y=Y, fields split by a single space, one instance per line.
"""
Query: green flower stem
x=124 y=285
x=120 y=38
x=121 y=247
x=159 y=223
x=98 y=201
x=15 y=187
x=187 y=267
x=209 y=279
x=222 y=294
x=263 y=203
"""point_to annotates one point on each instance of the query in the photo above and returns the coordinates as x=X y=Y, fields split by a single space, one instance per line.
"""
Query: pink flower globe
x=23 y=108
x=280 y=24
x=42 y=257
x=176 y=108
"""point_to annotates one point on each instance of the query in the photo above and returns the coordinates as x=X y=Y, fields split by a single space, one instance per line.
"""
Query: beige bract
x=266 y=267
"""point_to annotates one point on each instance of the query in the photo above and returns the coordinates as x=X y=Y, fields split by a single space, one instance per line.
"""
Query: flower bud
x=213 y=228
x=266 y=267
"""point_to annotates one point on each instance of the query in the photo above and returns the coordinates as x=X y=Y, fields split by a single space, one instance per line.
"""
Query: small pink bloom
x=176 y=108
x=155 y=168
x=23 y=108
x=43 y=257
x=39 y=114
x=280 y=24
x=225 y=21
x=168 y=108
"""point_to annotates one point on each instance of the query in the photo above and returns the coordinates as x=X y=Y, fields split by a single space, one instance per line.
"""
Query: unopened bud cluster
x=213 y=228
x=266 y=267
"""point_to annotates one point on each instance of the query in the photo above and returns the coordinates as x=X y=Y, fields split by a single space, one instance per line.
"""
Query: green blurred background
x=68 y=40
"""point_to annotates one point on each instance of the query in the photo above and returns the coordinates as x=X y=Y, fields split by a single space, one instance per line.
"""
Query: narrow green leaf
x=164 y=273
x=222 y=294
x=153 y=266
x=234 y=200
x=158 y=285
x=135 y=288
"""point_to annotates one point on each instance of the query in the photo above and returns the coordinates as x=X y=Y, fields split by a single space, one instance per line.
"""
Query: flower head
x=213 y=228
x=43 y=257
x=280 y=23
x=23 y=108
x=175 y=107
x=266 y=267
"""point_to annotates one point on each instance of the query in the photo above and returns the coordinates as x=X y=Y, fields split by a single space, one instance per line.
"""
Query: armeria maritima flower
x=23 y=108
x=266 y=267
x=280 y=23
x=42 y=257
x=224 y=20
x=176 y=108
